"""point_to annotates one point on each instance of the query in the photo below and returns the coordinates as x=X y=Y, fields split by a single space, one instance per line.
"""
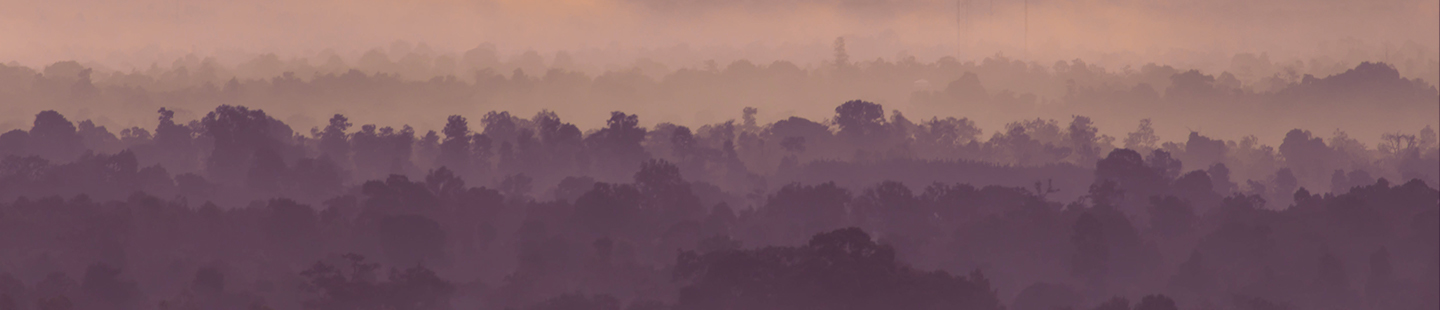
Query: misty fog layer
x=719 y=155
x=135 y=34
x=1256 y=96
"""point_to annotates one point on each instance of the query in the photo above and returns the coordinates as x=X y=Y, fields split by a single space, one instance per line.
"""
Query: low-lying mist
x=710 y=155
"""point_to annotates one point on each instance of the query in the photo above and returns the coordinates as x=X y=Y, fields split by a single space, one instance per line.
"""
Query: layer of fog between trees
x=214 y=203
x=1255 y=94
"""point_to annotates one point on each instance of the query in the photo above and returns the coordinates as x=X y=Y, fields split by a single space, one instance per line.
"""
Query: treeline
x=1002 y=88
x=235 y=154
x=616 y=245
x=237 y=210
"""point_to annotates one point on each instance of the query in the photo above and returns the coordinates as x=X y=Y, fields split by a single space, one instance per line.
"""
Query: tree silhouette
x=334 y=140
x=357 y=285
x=455 y=150
x=1155 y=302
x=842 y=269
x=860 y=119
x=54 y=137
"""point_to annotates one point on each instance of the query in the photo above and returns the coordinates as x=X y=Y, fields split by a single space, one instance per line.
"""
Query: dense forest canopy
x=865 y=208
x=1254 y=95
x=719 y=155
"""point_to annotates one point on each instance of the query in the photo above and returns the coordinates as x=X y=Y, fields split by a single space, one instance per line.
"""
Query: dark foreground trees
x=535 y=214
x=841 y=269
x=353 y=284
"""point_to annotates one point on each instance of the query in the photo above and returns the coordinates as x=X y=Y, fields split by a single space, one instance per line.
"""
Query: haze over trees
x=865 y=209
x=1255 y=95
x=430 y=182
x=720 y=155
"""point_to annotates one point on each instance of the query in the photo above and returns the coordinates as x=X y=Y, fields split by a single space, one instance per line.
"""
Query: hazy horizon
x=719 y=155
x=601 y=33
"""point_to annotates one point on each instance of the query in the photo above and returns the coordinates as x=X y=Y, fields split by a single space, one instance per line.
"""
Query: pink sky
x=136 y=33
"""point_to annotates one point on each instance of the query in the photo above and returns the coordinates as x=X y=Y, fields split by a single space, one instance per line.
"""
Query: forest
x=214 y=203
x=1256 y=94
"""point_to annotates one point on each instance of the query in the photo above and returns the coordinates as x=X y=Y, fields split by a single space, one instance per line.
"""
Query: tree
x=54 y=137
x=666 y=192
x=842 y=58
x=398 y=195
x=319 y=178
x=416 y=288
x=1092 y=251
x=1134 y=176
x=1045 y=296
x=841 y=269
x=455 y=149
x=610 y=209
x=1121 y=164
x=793 y=144
x=1201 y=150
x=552 y=131
x=1156 y=302
x=571 y=188
x=54 y=303
x=891 y=208
x=347 y=288
x=239 y=133
x=516 y=186
x=1332 y=283
x=13 y=143
x=500 y=126
x=410 y=239
x=1285 y=185
x=356 y=285
x=860 y=119
x=1305 y=154
x=268 y=172
x=7 y=302
x=103 y=285
x=1191 y=85
x=1256 y=303
x=949 y=132
x=682 y=143
x=1195 y=276
x=97 y=138
x=1114 y=303
x=1397 y=144
x=578 y=302
x=748 y=116
x=333 y=140
x=1143 y=138
x=1196 y=188
x=1332 y=274
x=1164 y=164
x=618 y=144
x=290 y=226
x=1428 y=138
x=808 y=208
x=1220 y=179
x=209 y=280
x=1171 y=216
x=169 y=134
x=967 y=89
x=1084 y=138
x=1381 y=282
